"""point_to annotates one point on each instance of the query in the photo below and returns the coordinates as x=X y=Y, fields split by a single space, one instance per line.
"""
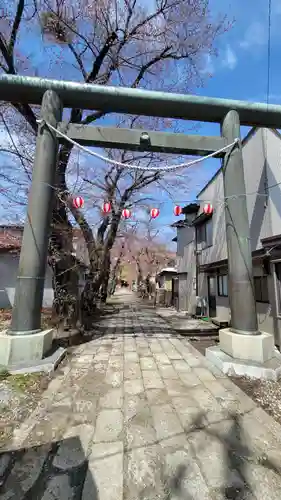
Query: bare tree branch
x=15 y=28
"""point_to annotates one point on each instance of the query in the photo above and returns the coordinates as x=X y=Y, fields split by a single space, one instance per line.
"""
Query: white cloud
x=230 y=60
x=255 y=36
x=208 y=66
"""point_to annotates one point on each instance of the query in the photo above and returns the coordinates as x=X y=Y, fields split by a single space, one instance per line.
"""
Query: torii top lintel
x=24 y=89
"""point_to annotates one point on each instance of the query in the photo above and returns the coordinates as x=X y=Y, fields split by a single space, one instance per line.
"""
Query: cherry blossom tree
x=161 y=45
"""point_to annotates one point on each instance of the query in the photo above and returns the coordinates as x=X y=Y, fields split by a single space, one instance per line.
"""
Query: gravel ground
x=19 y=395
x=266 y=394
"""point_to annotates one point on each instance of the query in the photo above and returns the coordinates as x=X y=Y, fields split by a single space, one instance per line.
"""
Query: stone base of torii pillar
x=246 y=355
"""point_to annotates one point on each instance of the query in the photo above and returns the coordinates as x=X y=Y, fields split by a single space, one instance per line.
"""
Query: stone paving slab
x=138 y=416
x=180 y=322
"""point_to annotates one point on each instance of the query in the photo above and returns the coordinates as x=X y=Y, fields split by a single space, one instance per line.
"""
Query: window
x=261 y=288
x=277 y=269
x=209 y=232
x=223 y=285
x=201 y=233
x=205 y=234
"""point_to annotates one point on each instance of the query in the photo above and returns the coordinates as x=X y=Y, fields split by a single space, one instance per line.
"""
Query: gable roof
x=10 y=238
x=244 y=141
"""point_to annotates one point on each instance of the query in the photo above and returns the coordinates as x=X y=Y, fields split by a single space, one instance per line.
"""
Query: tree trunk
x=114 y=276
x=99 y=271
x=90 y=294
x=65 y=272
x=88 y=304
x=139 y=276
x=66 y=290
x=105 y=280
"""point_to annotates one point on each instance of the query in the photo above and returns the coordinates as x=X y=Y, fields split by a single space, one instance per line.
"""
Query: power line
x=268 y=51
x=268 y=79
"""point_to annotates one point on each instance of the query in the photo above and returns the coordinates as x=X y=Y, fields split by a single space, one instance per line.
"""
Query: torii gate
x=53 y=96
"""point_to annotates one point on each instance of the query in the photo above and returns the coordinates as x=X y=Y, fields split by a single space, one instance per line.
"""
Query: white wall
x=255 y=174
x=8 y=275
x=265 y=316
x=262 y=168
x=185 y=235
x=214 y=193
x=272 y=146
x=183 y=292
x=202 y=285
x=265 y=311
x=186 y=264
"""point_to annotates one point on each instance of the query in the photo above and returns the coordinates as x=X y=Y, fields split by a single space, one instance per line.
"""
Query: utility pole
x=26 y=315
x=240 y=269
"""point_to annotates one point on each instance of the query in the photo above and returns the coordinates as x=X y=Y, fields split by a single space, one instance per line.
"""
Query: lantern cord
x=137 y=167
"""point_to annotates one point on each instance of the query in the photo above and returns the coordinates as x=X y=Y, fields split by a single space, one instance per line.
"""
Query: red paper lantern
x=126 y=213
x=154 y=212
x=78 y=202
x=177 y=210
x=106 y=208
x=208 y=209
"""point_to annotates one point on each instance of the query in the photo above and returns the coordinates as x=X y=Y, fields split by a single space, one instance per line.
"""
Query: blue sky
x=238 y=72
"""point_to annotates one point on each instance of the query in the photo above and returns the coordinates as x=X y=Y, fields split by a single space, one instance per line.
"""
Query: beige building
x=201 y=239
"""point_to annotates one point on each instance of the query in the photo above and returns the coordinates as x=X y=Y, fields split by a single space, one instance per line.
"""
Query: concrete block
x=256 y=348
x=270 y=370
x=24 y=349
x=47 y=365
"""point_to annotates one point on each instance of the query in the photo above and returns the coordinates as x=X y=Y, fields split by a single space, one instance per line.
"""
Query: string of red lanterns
x=208 y=209
x=154 y=212
x=78 y=202
x=177 y=210
x=126 y=213
x=106 y=207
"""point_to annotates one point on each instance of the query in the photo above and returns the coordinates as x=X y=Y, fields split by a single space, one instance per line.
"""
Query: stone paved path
x=139 y=414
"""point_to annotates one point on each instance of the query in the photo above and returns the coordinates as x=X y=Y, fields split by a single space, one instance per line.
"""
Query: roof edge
x=243 y=142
